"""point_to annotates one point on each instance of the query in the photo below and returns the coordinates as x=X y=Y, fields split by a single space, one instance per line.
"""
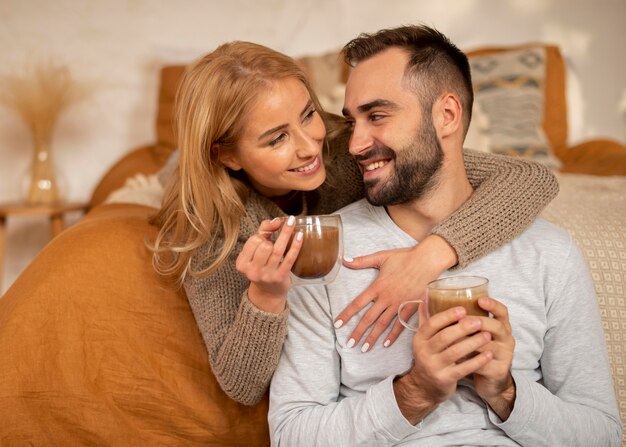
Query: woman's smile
x=309 y=169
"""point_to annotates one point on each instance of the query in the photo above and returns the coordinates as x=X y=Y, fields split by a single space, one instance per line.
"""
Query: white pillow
x=139 y=189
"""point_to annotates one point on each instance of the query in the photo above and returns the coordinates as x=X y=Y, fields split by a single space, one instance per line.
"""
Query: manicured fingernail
x=365 y=347
x=276 y=219
x=299 y=236
x=348 y=259
x=291 y=220
x=387 y=343
x=351 y=343
x=338 y=324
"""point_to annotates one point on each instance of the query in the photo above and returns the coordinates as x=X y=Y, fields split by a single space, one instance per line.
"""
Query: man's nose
x=360 y=140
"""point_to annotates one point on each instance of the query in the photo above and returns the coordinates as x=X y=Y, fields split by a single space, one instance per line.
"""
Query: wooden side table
x=55 y=212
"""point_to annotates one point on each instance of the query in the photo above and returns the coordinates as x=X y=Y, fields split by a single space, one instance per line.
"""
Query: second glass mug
x=321 y=253
x=449 y=292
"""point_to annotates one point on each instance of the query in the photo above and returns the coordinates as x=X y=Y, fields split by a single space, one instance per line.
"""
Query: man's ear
x=227 y=158
x=448 y=114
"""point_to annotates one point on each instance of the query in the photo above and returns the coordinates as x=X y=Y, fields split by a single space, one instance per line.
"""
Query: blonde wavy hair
x=203 y=202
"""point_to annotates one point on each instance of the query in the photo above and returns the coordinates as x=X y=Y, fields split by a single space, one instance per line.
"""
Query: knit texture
x=244 y=342
x=509 y=193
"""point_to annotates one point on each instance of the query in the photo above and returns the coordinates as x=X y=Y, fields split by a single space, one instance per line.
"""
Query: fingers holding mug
x=282 y=241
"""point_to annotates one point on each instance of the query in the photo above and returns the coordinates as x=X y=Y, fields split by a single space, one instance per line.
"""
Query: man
x=541 y=375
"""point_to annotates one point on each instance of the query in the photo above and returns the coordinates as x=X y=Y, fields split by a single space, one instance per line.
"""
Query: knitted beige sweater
x=244 y=342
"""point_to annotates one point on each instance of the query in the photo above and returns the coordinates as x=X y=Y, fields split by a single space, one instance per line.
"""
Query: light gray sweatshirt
x=326 y=394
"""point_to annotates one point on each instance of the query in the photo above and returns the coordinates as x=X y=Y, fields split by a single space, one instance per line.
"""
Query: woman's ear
x=227 y=158
x=448 y=114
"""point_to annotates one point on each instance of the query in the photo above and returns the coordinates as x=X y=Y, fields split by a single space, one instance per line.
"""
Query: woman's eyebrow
x=283 y=126
x=272 y=130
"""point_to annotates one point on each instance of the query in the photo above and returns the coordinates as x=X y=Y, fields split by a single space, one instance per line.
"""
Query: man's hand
x=404 y=275
x=440 y=347
x=493 y=382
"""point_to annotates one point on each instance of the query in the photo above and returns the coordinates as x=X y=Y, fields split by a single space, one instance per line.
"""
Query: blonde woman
x=254 y=144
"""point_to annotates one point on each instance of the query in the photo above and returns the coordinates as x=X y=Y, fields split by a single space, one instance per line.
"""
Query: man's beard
x=416 y=168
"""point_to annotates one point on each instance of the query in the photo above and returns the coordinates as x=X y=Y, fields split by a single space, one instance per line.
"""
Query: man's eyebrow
x=284 y=126
x=372 y=104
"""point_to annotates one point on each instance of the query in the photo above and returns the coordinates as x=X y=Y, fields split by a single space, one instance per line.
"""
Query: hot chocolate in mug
x=453 y=291
x=319 y=259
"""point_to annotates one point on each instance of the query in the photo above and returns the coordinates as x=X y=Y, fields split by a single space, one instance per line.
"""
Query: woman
x=254 y=144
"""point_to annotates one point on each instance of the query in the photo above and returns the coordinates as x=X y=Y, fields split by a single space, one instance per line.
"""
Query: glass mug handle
x=401 y=320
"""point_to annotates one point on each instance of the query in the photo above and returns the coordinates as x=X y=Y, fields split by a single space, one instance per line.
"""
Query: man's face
x=393 y=140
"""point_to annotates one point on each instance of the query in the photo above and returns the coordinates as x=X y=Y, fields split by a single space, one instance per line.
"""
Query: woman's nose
x=307 y=145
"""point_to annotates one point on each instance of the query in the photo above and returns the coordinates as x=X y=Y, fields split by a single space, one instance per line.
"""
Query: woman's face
x=280 y=148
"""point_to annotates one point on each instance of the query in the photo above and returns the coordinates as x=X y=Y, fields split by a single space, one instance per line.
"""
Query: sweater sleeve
x=509 y=193
x=243 y=342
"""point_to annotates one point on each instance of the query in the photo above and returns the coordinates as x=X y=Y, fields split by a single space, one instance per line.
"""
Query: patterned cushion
x=508 y=88
x=593 y=210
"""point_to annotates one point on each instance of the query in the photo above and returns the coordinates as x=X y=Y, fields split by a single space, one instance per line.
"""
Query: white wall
x=118 y=46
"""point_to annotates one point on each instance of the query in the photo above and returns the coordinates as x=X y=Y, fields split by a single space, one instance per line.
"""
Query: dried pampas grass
x=40 y=96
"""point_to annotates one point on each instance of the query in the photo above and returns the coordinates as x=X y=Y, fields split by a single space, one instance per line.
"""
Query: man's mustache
x=378 y=151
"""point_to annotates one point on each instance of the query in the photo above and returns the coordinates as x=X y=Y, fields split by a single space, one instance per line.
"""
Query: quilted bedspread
x=593 y=210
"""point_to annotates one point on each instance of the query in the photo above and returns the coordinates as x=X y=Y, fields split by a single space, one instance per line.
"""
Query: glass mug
x=319 y=259
x=445 y=293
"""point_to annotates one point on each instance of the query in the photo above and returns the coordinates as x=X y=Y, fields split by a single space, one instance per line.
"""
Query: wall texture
x=118 y=46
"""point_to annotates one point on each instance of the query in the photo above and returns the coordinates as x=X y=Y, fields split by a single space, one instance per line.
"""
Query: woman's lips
x=310 y=168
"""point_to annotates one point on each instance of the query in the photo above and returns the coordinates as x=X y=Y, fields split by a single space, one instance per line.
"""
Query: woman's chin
x=319 y=179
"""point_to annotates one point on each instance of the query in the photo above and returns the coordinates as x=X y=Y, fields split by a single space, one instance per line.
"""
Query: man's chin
x=375 y=198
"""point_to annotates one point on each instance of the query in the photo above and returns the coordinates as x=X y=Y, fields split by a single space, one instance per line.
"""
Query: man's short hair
x=435 y=64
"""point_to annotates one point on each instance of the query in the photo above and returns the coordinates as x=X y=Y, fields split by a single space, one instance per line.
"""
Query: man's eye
x=278 y=139
x=350 y=124
x=376 y=117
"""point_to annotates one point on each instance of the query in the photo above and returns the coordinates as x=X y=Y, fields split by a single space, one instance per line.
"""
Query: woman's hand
x=404 y=275
x=267 y=265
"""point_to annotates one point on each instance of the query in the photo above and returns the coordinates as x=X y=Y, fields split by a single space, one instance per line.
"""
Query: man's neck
x=418 y=218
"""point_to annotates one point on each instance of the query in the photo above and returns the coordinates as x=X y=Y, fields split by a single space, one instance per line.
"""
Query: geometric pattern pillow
x=509 y=90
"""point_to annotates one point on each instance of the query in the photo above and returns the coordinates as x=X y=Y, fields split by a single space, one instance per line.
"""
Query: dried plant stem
x=40 y=96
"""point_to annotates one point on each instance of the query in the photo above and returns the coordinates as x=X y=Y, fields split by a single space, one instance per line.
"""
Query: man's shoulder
x=546 y=237
x=542 y=229
x=355 y=210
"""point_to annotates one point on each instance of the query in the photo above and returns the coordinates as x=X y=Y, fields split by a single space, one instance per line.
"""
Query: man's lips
x=376 y=158
x=373 y=165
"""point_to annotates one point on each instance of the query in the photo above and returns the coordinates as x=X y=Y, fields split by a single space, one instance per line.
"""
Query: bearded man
x=533 y=373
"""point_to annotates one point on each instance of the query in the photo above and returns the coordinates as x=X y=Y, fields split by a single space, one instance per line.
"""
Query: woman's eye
x=278 y=139
x=309 y=115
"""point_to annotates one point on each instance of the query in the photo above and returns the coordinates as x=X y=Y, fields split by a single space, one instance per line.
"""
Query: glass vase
x=42 y=186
